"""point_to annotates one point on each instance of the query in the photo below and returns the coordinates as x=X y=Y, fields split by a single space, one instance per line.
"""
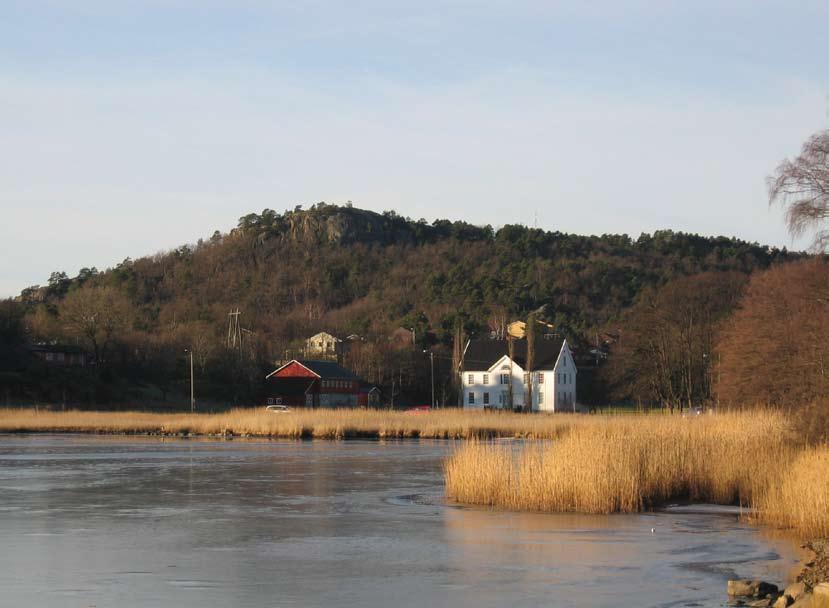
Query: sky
x=128 y=128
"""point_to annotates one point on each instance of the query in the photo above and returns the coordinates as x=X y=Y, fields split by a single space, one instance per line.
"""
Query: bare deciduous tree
x=774 y=349
x=801 y=186
x=95 y=314
x=670 y=338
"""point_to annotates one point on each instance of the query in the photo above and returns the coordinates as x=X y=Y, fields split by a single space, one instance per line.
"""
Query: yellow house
x=518 y=329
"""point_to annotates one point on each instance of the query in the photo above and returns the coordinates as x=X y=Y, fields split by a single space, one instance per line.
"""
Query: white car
x=278 y=409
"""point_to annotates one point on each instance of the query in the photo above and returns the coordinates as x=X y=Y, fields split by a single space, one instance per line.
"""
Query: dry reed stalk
x=801 y=500
x=327 y=424
x=627 y=465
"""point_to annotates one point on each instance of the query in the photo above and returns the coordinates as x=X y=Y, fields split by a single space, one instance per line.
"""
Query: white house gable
x=489 y=376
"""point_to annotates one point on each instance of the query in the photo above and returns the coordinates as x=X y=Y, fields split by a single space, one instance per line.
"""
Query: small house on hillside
x=61 y=355
x=518 y=329
x=324 y=346
x=313 y=384
x=490 y=379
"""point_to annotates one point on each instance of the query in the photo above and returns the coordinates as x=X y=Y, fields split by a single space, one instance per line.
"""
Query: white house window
x=540 y=397
x=471 y=398
x=486 y=398
x=526 y=379
x=486 y=378
x=470 y=379
x=504 y=378
x=541 y=377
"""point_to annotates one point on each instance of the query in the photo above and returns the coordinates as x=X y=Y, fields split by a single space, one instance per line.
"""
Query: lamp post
x=192 y=393
x=432 y=363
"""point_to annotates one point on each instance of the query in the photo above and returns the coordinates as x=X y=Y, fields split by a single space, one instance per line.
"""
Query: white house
x=489 y=375
x=324 y=346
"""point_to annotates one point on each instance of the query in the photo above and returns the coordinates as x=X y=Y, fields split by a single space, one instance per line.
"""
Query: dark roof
x=329 y=369
x=55 y=348
x=483 y=354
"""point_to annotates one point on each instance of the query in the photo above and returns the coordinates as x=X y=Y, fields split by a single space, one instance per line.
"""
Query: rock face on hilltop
x=332 y=224
x=345 y=225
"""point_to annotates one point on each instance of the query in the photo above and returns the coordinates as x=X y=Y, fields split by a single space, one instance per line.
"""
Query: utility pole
x=192 y=392
x=432 y=362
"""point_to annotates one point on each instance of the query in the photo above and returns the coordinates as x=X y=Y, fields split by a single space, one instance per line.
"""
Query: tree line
x=667 y=297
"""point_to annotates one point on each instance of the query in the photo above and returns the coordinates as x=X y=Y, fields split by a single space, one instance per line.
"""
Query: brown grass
x=801 y=499
x=323 y=424
x=624 y=465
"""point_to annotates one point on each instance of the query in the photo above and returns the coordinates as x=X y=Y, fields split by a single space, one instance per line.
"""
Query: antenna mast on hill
x=234 y=330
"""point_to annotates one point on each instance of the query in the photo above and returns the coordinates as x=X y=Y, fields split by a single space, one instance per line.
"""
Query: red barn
x=313 y=384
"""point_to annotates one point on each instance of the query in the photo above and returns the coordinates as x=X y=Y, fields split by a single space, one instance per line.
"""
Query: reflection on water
x=132 y=522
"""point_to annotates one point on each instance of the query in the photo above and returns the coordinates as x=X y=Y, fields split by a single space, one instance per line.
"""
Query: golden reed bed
x=322 y=424
x=633 y=464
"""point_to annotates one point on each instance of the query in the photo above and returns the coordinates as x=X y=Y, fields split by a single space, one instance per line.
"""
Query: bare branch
x=801 y=186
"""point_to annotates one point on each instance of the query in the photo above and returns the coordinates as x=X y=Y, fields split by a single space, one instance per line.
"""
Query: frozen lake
x=110 y=521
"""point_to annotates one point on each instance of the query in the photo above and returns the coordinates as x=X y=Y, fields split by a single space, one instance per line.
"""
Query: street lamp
x=432 y=362
x=192 y=393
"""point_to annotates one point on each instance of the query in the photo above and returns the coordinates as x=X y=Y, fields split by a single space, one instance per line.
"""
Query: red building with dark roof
x=313 y=384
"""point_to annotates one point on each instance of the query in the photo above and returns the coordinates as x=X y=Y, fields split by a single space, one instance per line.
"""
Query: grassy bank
x=323 y=424
x=613 y=465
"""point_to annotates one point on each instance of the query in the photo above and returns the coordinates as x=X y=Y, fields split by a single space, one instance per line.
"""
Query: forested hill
x=353 y=270
x=348 y=270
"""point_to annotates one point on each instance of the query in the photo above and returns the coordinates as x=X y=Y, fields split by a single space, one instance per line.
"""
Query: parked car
x=419 y=409
x=278 y=409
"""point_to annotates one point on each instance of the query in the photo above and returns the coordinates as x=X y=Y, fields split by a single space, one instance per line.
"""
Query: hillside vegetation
x=344 y=270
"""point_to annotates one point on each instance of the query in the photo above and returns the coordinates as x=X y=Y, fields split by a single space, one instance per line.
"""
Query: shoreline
x=808 y=589
x=449 y=423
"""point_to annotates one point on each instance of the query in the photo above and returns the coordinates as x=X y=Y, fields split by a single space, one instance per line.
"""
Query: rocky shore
x=810 y=590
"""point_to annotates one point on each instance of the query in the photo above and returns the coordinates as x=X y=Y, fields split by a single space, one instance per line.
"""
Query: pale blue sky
x=131 y=127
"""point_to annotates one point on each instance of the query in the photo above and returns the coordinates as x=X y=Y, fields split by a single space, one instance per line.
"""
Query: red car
x=419 y=409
